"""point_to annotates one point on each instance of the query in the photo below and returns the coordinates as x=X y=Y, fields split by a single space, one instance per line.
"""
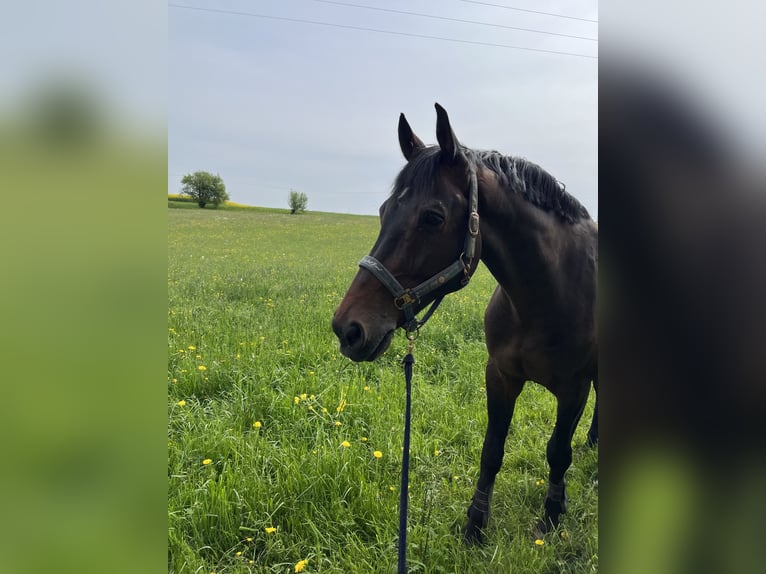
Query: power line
x=454 y=19
x=530 y=11
x=349 y=27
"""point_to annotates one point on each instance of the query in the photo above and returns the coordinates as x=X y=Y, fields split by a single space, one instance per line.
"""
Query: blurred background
x=83 y=164
x=681 y=182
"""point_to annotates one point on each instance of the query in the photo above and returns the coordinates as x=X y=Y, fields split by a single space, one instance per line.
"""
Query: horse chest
x=535 y=358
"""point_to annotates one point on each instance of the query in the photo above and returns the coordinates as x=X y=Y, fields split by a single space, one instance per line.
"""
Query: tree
x=298 y=201
x=204 y=187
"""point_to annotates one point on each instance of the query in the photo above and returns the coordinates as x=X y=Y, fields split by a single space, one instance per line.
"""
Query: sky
x=274 y=104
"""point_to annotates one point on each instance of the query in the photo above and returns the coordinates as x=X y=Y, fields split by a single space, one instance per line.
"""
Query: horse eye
x=431 y=218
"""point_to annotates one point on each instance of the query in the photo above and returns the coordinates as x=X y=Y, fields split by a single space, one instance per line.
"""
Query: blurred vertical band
x=83 y=306
x=683 y=277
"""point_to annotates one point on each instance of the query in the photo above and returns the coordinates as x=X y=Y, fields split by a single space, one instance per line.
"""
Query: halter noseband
x=406 y=299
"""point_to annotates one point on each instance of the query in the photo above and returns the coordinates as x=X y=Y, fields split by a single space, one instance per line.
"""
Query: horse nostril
x=353 y=334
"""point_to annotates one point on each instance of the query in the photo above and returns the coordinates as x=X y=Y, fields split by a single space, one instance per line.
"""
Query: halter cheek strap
x=406 y=299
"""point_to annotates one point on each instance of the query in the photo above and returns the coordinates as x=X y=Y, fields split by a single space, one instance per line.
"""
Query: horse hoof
x=542 y=528
x=550 y=521
x=474 y=530
x=473 y=535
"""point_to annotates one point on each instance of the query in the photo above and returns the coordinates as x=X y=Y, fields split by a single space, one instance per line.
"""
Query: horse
x=541 y=246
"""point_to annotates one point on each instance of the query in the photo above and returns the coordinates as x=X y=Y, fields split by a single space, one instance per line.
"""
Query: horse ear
x=445 y=136
x=408 y=141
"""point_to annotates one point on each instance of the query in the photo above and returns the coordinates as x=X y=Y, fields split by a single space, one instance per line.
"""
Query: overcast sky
x=274 y=104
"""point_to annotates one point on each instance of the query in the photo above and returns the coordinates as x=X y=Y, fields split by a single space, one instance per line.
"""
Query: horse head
x=428 y=245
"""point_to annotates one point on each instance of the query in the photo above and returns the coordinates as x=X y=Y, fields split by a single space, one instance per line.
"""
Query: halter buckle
x=404 y=299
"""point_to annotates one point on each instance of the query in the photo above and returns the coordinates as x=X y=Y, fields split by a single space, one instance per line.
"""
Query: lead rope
x=407 y=363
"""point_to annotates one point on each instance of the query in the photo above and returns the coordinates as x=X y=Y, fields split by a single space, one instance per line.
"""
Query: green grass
x=253 y=292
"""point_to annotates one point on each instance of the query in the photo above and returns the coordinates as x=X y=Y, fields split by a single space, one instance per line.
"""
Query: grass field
x=273 y=435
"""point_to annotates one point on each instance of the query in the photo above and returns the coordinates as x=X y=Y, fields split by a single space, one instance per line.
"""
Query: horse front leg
x=501 y=398
x=559 y=454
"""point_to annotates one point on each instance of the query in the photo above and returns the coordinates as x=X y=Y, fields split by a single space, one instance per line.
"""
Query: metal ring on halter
x=473 y=223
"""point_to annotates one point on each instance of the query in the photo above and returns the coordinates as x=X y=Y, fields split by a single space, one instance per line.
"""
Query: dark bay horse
x=542 y=247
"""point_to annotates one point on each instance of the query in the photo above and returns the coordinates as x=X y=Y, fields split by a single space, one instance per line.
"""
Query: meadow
x=283 y=454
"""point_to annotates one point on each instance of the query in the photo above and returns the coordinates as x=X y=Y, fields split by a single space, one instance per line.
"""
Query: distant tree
x=204 y=187
x=65 y=112
x=298 y=201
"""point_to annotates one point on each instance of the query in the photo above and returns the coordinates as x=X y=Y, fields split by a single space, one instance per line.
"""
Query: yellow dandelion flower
x=301 y=565
x=303 y=396
x=296 y=400
x=341 y=406
x=363 y=439
x=311 y=373
x=338 y=423
x=257 y=425
x=564 y=534
x=174 y=380
x=239 y=554
x=181 y=403
x=181 y=350
x=202 y=368
x=391 y=488
x=198 y=357
x=377 y=454
x=270 y=530
x=312 y=397
x=324 y=410
x=437 y=452
x=345 y=444
x=367 y=389
x=248 y=539
x=539 y=542
x=207 y=461
x=192 y=348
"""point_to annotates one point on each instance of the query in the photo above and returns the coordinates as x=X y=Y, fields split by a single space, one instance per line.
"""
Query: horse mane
x=532 y=182
x=517 y=174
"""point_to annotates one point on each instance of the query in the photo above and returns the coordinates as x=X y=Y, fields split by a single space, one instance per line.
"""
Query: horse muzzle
x=359 y=343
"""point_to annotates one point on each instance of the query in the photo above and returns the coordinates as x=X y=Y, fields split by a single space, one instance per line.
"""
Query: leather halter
x=406 y=299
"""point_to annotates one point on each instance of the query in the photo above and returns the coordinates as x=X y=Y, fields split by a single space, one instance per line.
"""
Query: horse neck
x=520 y=246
